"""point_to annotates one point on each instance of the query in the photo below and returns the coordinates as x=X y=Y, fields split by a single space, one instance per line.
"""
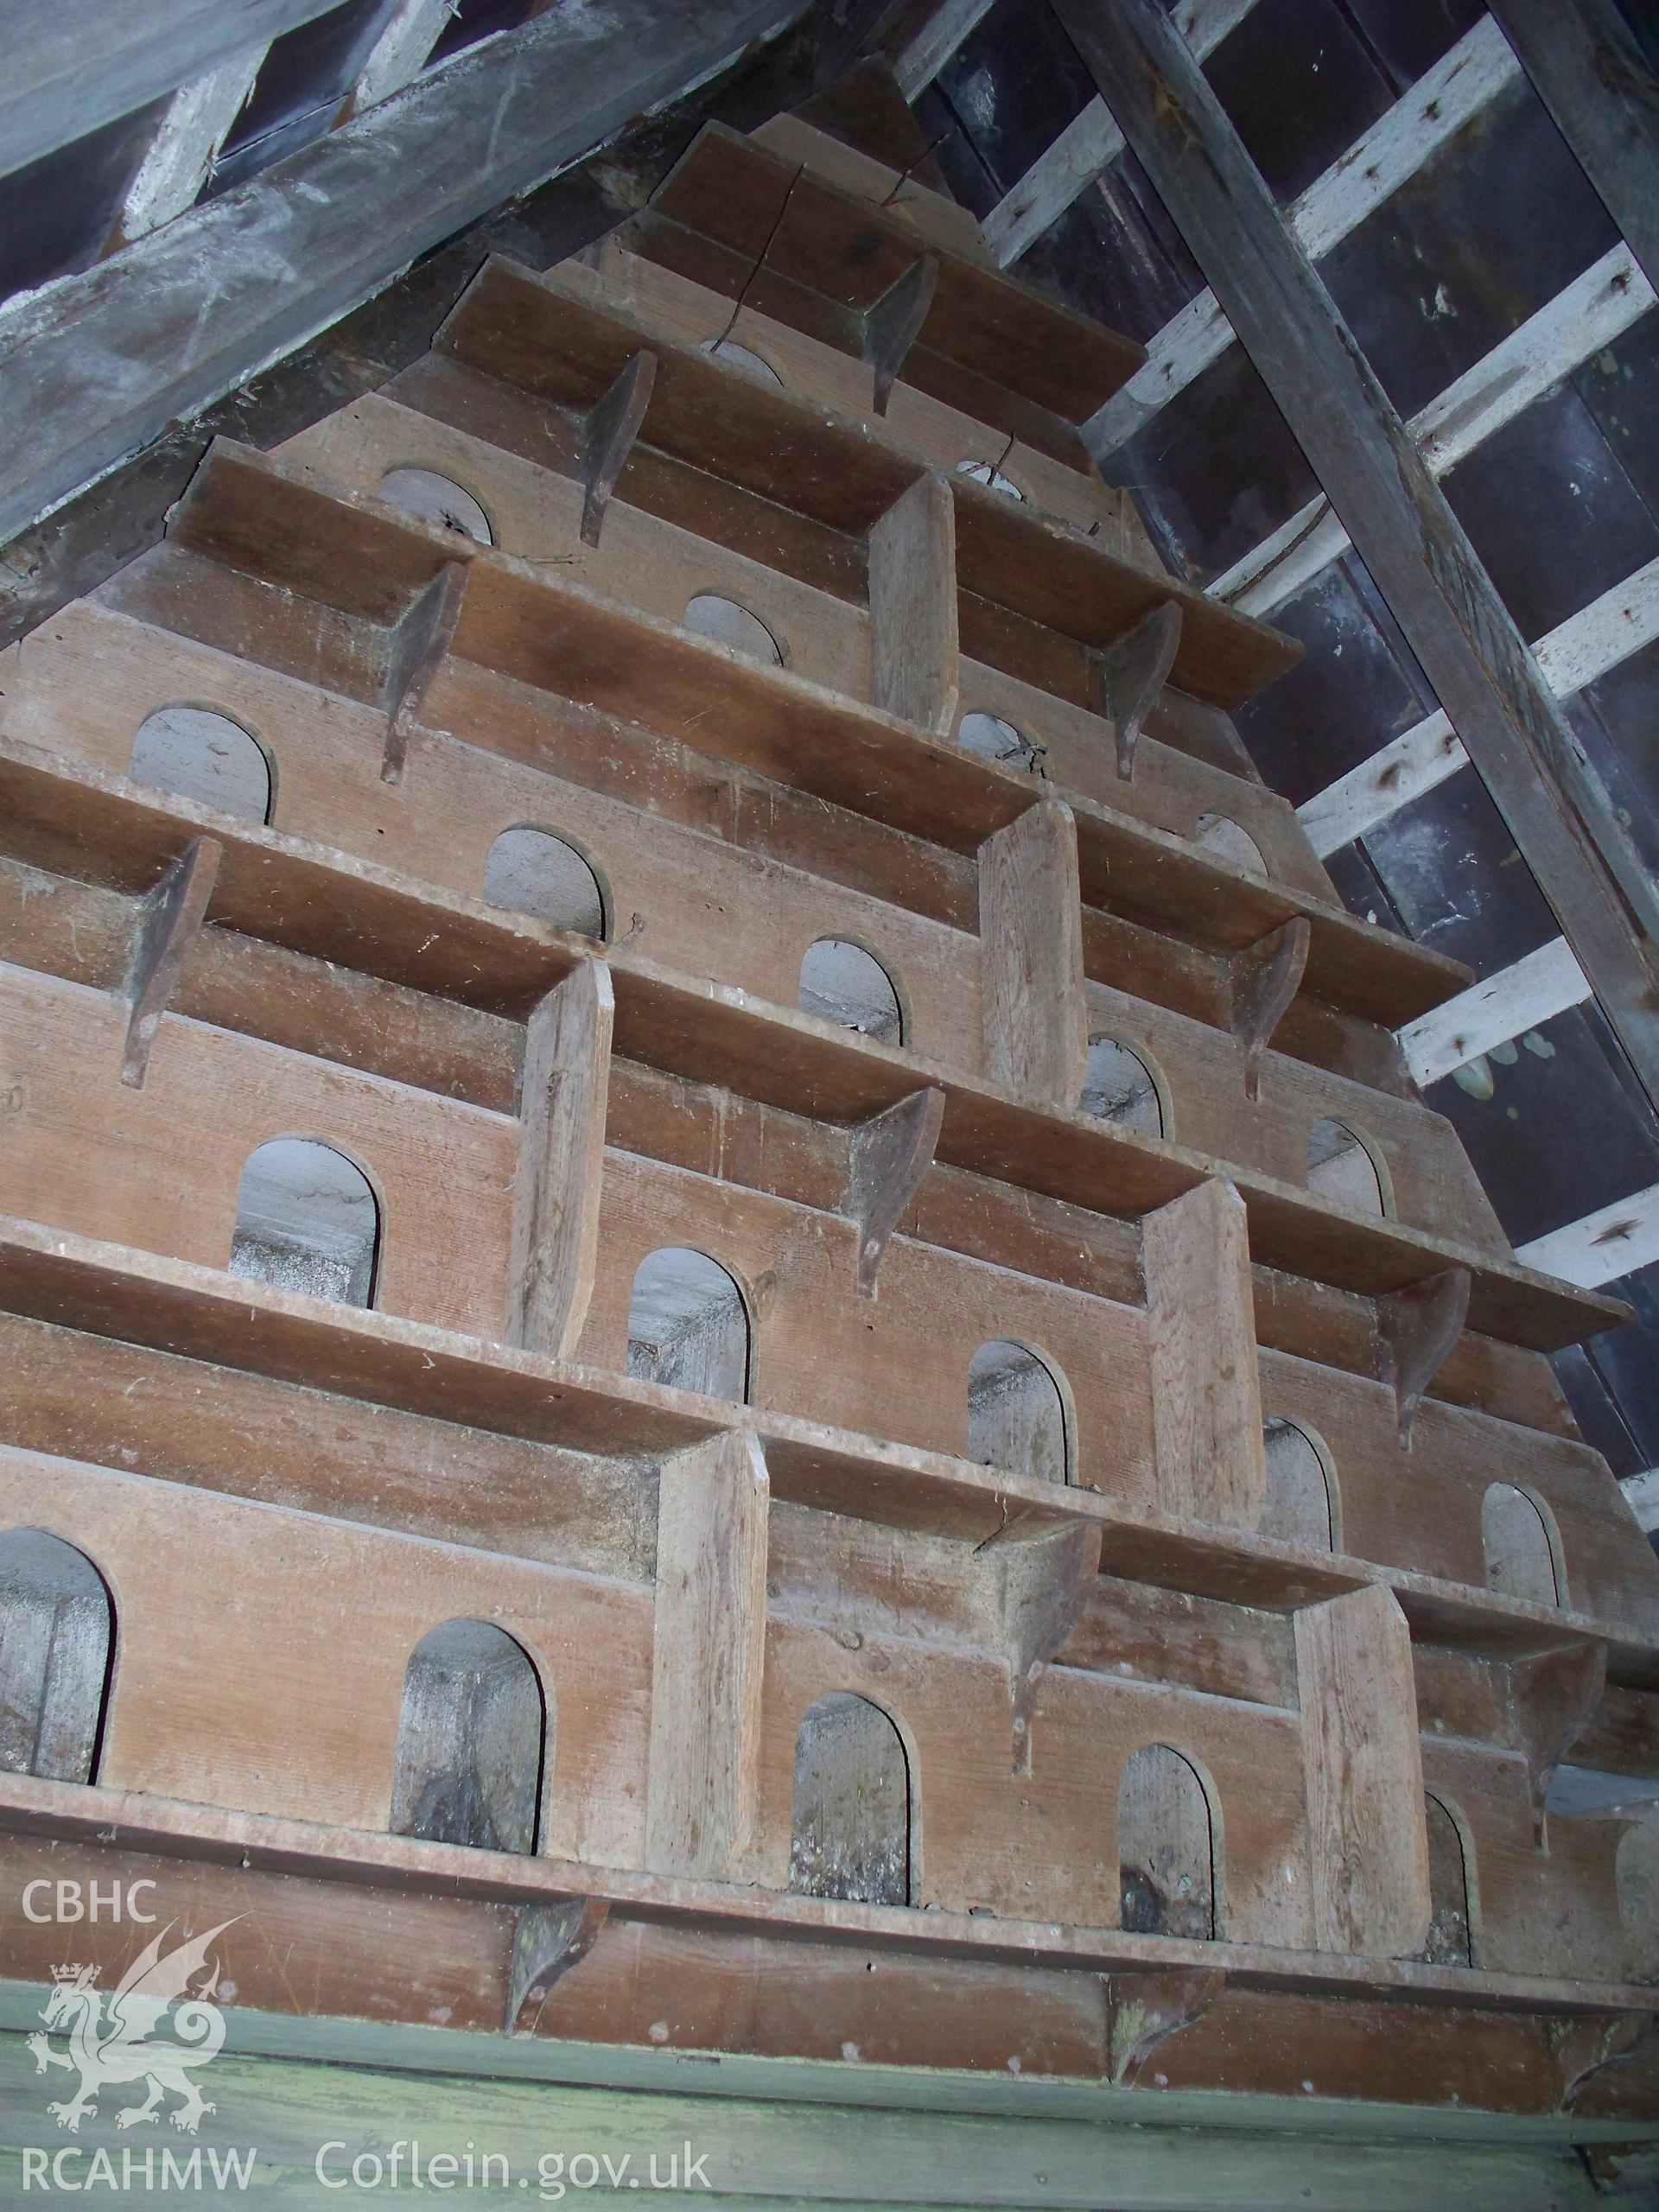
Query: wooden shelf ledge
x=313 y=899
x=402 y=1865
x=268 y=520
x=808 y=254
x=553 y=335
x=98 y=1288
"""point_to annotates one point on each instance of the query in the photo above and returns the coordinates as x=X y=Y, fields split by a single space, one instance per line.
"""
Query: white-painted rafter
x=198 y=119
x=1532 y=990
x=1584 y=646
x=1614 y=1241
x=920 y=61
x=1397 y=145
x=1092 y=142
x=1592 y=311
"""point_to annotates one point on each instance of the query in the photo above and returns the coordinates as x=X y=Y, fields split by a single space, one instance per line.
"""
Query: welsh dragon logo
x=111 y=2034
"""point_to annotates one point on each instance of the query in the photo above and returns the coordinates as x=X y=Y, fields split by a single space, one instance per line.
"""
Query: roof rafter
x=95 y=365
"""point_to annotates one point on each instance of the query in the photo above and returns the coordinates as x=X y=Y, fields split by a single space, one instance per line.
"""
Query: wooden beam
x=1130 y=675
x=1530 y=991
x=935 y=39
x=892 y=323
x=73 y=66
x=1206 y=1388
x=1092 y=142
x=548 y=1940
x=400 y=53
x=1264 y=981
x=97 y=365
x=608 y=430
x=1592 y=311
x=1368 y=1837
x=1598 y=636
x=1420 y=1327
x=887 y=1157
x=1395 y=149
x=556 y=1192
x=1590 y=71
x=1142 y=2009
x=914 y=653
x=1045 y=1574
x=708 y=1655
x=1612 y=1241
x=1553 y=1697
x=1452 y=617
x=169 y=925
x=1031 y=1002
x=415 y=653
x=199 y=116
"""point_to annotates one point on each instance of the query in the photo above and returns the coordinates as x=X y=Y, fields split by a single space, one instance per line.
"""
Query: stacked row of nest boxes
x=708 y=1212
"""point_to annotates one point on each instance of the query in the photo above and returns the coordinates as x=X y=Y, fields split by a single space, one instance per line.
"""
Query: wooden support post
x=1129 y=676
x=1044 y=1573
x=1363 y=1776
x=548 y=1940
x=1141 y=2009
x=1420 y=1327
x=560 y=1162
x=1265 y=979
x=1554 y=805
x=892 y=323
x=913 y=649
x=708 y=1657
x=1553 y=1700
x=1206 y=1390
x=887 y=1157
x=1031 y=1005
x=169 y=923
x=1587 y=66
x=415 y=650
x=608 y=431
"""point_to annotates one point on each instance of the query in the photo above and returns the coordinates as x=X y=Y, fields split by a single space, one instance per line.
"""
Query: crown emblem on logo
x=78 y=1976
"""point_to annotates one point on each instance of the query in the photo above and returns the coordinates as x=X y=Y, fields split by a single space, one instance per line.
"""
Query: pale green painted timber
x=779 y=2132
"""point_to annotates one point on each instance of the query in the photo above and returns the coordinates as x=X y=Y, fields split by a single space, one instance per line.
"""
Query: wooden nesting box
x=722 y=1302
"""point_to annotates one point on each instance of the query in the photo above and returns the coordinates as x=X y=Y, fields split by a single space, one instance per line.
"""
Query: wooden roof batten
x=1559 y=816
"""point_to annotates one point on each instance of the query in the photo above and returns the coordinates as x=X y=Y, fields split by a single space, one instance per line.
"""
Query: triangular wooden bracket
x=1583 y=2045
x=548 y=1940
x=1266 y=977
x=892 y=323
x=1141 y=2009
x=1044 y=1573
x=1129 y=676
x=419 y=637
x=1553 y=1697
x=887 y=1158
x=608 y=430
x=169 y=923
x=1419 y=1327
x=553 y=1247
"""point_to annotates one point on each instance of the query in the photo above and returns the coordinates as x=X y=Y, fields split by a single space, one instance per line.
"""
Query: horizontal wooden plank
x=1613 y=1241
x=542 y=627
x=312 y=900
x=403 y=1865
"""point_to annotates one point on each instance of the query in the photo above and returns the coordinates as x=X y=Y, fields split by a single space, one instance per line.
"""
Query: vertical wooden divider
x=1206 y=1388
x=1032 y=1006
x=560 y=1162
x=1363 y=1776
x=708 y=1657
x=913 y=649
